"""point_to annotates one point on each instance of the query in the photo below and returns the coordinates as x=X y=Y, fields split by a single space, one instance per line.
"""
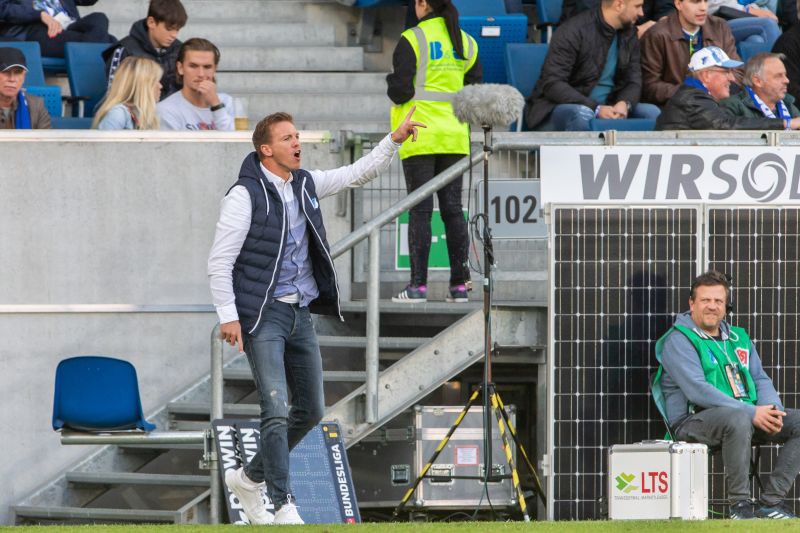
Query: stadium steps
x=244 y=32
x=134 y=478
x=192 y=512
x=284 y=55
x=161 y=483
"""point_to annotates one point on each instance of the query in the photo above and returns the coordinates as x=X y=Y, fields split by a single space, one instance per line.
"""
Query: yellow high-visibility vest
x=439 y=77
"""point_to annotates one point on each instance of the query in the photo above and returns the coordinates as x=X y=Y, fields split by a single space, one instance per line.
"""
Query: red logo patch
x=743 y=355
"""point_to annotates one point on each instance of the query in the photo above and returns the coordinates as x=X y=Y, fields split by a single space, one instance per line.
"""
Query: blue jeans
x=755 y=30
x=576 y=117
x=284 y=356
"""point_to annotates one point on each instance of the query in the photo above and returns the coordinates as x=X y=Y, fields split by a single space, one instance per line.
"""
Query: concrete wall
x=88 y=218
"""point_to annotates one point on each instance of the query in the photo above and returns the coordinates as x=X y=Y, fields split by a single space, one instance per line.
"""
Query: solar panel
x=760 y=249
x=618 y=276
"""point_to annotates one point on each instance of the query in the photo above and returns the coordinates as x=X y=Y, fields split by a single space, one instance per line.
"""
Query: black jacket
x=575 y=61
x=694 y=109
x=788 y=44
x=138 y=44
x=17 y=15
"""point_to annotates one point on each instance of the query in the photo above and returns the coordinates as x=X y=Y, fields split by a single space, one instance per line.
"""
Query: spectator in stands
x=788 y=44
x=154 y=37
x=696 y=104
x=667 y=47
x=591 y=70
x=654 y=10
x=713 y=388
x=427 y=81
x=52 y=23
x=131 y=101
x=765 y=94
x=269 y=265
x=18 y=111
x=198 y=105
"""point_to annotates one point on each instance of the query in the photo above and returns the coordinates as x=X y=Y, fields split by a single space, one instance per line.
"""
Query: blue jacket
x=17 y=15
x=256 y=270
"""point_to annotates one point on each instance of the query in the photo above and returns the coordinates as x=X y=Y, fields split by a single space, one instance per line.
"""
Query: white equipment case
x=658 y=480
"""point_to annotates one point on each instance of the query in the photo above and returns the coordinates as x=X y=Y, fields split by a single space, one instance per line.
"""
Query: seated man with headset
x=714 y=391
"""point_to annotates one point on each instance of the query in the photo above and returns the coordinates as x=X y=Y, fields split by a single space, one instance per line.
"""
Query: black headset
x=729 y=302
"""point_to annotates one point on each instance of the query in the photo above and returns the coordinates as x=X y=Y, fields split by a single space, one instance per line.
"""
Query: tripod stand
x=492 y=403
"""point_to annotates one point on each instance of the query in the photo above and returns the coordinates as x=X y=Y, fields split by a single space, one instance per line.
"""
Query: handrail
x=405 y=204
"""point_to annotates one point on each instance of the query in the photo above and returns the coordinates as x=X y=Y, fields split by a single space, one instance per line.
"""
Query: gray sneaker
x=249 y=494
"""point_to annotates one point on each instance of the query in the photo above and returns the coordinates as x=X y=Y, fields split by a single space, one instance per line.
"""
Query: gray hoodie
x=684 y=381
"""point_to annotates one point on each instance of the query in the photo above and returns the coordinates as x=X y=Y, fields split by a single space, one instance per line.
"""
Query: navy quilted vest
x=256 y=270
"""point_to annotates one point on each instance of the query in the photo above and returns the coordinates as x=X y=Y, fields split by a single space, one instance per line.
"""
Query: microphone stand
x=492 y=403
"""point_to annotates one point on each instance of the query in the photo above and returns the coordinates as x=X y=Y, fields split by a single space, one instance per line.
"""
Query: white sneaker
x=249 y=494
x=288 y=514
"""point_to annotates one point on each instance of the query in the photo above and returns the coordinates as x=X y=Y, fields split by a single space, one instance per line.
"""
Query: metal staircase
x=163 y=482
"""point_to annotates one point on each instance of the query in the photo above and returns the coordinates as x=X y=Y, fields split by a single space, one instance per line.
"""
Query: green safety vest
x=439 y=76
x=714 y=355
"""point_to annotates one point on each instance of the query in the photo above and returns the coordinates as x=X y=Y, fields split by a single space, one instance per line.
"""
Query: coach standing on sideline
x=270 y=263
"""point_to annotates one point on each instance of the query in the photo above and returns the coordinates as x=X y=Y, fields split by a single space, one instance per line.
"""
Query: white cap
x=711 y=56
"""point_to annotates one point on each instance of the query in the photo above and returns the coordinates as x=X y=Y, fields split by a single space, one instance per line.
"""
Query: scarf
x=783 y=111
x=694 y=82
x=22 y=118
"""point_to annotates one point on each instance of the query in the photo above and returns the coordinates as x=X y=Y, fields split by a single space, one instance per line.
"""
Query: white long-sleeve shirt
x=236 y=211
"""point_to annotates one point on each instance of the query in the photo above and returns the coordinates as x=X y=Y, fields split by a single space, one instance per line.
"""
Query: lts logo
x=649 y=482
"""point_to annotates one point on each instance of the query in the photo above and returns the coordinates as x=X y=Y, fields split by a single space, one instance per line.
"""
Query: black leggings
x=419 y=170
x=93 y=28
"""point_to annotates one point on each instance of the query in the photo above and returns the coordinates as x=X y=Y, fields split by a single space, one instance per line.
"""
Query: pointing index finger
x=408 y=117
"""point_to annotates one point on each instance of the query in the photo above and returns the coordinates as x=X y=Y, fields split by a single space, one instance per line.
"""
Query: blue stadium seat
x=51 y=94
x=523 y=66
x=376 y=3
x=490 y=25
x=54 y=65
x=70 y=123
x=96 y=393
x=628 y=124
x=480 y=8
x=87 y=75
x=548 y=14
x=748 y=49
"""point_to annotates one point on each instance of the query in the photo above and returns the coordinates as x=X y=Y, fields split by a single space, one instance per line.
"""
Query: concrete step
x=269 y=82
x=228 y=32
x=384 y=343
x=279 y=58
x=346 y=376
x=135 y=478
x=203 y=409
x=263 y=10
x=34 y=512
x=390 y=307
x=322 y=106
x=354 y=124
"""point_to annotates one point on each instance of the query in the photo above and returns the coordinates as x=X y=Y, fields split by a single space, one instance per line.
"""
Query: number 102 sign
x=515 y=209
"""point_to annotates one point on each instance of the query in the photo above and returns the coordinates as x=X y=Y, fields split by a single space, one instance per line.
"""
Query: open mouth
x=297 y=154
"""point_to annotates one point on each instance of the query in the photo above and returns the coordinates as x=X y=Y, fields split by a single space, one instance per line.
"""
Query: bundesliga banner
x=670 y=174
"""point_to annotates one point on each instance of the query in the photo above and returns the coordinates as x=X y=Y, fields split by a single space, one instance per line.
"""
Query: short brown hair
x=197 y=44
x=263 y=132
x=711 y=278
x=170 y=12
